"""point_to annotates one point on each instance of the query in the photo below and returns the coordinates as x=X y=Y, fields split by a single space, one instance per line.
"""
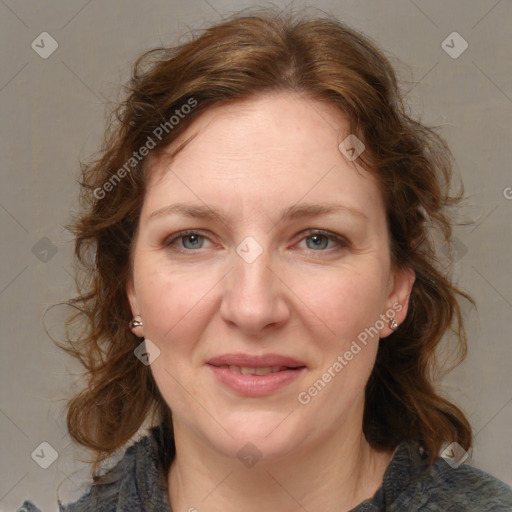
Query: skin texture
x=306 y=297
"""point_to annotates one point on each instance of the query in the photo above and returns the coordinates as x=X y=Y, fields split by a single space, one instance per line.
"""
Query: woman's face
x=285 y=254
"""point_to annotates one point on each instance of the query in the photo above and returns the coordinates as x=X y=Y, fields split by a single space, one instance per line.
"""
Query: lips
x=248 y=370
x=272 y=361
x=256 y=375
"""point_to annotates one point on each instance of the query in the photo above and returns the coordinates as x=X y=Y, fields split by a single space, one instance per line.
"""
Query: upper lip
x=255 y=361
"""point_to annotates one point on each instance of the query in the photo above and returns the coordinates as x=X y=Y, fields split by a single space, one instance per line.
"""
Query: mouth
x=252 y=377
x=258 y=370
x=267 y=363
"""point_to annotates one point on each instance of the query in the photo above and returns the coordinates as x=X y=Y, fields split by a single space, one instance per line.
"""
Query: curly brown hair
x=319 y=58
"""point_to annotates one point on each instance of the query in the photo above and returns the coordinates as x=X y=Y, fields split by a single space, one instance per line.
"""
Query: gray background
x=53 y=114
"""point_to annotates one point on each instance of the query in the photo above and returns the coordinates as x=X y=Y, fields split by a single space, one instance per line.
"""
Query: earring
x=393 y=325
x=136 y=322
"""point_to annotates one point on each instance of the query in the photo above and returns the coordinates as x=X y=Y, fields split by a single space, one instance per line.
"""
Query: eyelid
x=340 y=240
x=182 y=234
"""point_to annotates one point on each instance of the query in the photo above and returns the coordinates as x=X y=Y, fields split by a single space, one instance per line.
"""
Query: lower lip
x=256 y=385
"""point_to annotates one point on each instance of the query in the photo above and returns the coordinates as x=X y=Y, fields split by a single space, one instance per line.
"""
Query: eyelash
x=341 y=241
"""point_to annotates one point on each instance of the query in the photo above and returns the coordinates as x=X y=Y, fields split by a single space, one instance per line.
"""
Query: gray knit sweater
x=409 y=485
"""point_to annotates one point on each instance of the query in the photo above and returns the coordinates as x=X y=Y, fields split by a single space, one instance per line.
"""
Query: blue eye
x=196 y=241
x=320 y=240
x=316 y=240
x=190 y=240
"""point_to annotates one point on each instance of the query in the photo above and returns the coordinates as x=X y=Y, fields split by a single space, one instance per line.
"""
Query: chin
x=261 y=437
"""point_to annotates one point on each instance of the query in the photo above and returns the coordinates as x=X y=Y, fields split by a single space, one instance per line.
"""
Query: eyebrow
x=290 y=213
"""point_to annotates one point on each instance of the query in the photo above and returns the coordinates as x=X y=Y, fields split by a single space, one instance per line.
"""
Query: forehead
x=266 y=148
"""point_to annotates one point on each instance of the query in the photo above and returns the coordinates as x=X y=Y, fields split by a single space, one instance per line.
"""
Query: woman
x=265 y=292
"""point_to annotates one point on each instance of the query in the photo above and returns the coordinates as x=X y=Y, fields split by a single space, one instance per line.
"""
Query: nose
x=254 y=296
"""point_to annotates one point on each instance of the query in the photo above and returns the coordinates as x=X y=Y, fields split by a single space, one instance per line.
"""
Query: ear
x=134 y=306
x=397 y=305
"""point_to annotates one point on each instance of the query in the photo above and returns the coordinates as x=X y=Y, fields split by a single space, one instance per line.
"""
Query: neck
x=334 y=474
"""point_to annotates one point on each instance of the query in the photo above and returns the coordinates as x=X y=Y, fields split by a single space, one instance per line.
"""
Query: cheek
x=167 y=297
x=177 y=307
x=346 y=301
x=347 y=304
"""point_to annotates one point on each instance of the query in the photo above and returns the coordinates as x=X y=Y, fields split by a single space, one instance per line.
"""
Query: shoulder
x=464 y=489
x=130 y=485
x=410 y=483
x=103 y=494
x=134 y=483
